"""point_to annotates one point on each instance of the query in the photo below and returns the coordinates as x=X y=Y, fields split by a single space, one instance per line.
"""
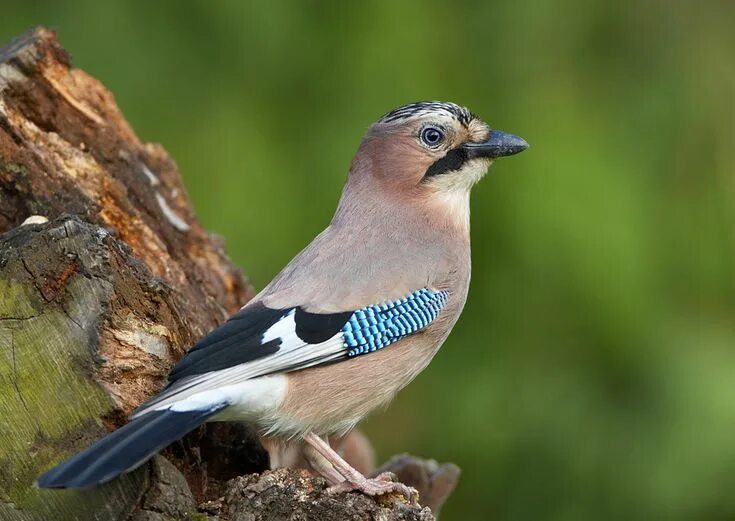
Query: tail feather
x=124 y=449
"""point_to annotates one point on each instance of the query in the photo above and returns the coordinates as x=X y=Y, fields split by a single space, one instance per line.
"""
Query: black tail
x=124 y=449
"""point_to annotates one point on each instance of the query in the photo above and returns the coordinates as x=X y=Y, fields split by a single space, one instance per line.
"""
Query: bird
x=349 y=322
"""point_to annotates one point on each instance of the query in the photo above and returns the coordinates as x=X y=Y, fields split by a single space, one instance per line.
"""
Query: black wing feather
x=235 y=342
x=314 y=328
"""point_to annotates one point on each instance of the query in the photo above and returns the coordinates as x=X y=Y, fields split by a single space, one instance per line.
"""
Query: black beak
x=499 y=144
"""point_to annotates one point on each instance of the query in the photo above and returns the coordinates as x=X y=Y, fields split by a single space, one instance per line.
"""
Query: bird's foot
x=382 y=484
x=352 y=479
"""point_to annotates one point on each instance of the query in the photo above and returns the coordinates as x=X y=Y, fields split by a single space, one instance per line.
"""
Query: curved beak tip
x=523 y=144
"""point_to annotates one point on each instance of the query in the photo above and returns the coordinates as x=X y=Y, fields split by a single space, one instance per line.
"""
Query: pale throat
x=452 y=191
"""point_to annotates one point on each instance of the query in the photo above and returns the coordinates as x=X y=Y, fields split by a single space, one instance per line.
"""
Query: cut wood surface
x=106 y=278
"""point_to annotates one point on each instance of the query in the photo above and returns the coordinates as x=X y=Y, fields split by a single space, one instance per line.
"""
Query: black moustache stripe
x=453 y=160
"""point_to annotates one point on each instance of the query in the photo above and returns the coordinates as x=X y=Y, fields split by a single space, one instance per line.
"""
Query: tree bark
x=106 y=277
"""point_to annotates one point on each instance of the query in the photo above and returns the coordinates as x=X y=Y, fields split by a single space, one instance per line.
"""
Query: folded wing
x=258 y=341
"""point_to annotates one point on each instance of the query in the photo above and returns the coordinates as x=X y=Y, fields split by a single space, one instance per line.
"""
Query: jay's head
x=431 y=150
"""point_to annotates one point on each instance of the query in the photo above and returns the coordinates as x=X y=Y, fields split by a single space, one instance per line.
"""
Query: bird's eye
x=431 y=136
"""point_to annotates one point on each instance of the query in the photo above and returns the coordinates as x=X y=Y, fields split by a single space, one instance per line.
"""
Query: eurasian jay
x=349 y=321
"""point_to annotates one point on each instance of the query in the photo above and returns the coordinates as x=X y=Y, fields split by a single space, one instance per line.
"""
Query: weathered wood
x=66 y=149
x=106 y=278
x=287 y=494
x=56 y=283
x=94 y=309
x=434 y=482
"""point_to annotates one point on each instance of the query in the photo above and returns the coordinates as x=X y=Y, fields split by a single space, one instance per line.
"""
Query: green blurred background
x=592 y=375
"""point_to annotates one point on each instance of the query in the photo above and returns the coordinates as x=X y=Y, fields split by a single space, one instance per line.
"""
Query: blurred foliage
x=592 y=375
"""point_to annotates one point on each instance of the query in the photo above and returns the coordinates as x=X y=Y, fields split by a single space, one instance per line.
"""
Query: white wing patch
x=282 y=329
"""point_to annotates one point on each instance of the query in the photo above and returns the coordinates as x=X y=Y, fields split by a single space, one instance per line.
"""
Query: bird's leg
x=352 y=479
x=321 y=465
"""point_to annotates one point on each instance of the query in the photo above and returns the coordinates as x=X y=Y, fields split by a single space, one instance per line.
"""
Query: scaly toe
x=339 y=488
x=386 y=476
x=383 y=484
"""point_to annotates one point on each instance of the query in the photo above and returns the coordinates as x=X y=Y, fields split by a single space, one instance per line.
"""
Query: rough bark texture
x=101 y=296
x=287 y=494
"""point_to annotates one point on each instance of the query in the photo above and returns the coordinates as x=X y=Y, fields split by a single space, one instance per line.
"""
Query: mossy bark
x=50 y=403
x=97 y=303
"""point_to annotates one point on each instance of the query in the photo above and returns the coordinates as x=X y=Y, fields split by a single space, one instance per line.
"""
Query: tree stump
x=106 y=278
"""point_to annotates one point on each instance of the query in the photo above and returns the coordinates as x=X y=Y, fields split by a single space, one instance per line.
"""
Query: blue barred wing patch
x=374 y=327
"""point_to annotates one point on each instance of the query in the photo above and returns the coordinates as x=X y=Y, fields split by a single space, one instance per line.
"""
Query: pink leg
x=353 y=480
x=321 y=465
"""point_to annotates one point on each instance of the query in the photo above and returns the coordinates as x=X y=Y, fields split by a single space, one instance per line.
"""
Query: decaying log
x=106 y=277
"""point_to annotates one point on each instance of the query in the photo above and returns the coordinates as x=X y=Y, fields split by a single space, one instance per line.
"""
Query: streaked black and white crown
x=425 y=108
